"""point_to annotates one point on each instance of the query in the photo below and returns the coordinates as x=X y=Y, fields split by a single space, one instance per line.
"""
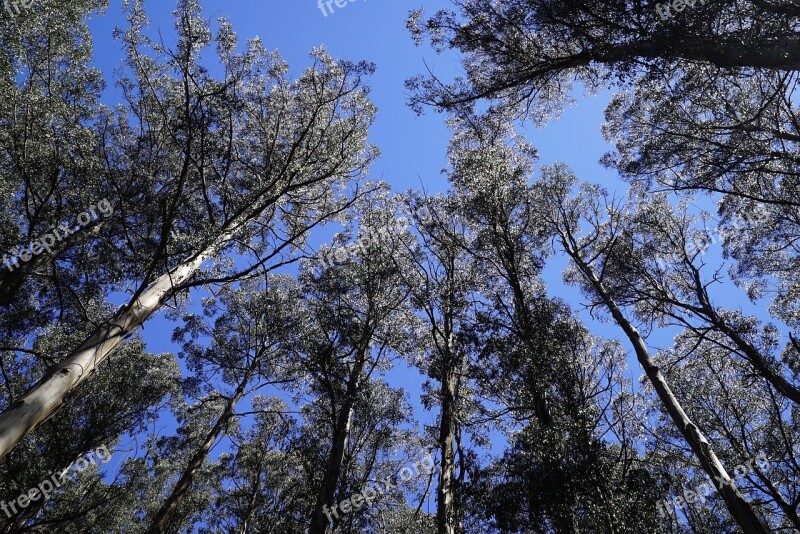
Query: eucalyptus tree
x=358 y=322
x=558 y=391
x=705 y=100
x=250 y=162
x=51 y=170
x=123 y=400
x=441 y=280
x=747 y=420
x=669 y=281
x=381 y=448
x=666 y=278
x=260 y=486
x=490 y=169
x=50 y=175
x=596 y=259
x=527 y=54
x=585 y=473
x=247 y=350
x=665 y=131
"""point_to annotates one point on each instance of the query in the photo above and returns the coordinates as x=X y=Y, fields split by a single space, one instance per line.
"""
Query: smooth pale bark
x=164 y=516
x=333 y=469
x=739 y=508
x=47 y=396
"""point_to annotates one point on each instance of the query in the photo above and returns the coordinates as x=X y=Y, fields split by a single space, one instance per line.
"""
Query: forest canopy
x=354 y=358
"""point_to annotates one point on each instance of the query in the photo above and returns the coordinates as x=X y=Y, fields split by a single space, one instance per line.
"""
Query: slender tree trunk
x=18 y=524
x=251 y=502
x=751 y=354
x=341 y=432
x=47 y=396
x=739 y=508
x=524 y=321
x=164 y=516
x=445 y=499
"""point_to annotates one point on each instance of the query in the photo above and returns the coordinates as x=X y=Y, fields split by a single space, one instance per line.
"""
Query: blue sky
x=412 y=147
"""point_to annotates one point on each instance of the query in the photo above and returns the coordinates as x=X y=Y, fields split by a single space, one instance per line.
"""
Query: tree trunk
x=445 y=499
x=47 y=396
x=524 y=322
x=164 y=516
x=330 y=480
x=754 y=357
x=723 y=52
x=739 y=508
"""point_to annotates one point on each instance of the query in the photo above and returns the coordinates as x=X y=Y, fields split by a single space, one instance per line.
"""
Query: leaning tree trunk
x=47 y=396
x=319 y=521
x=164 y=516
x=738 y=507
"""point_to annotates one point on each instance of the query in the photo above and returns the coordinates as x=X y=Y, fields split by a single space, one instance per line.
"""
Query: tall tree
x=245 y=349
x=593 y=256
x=553 y=384
x=359 y=311
x=259 y=161
x=441 y=280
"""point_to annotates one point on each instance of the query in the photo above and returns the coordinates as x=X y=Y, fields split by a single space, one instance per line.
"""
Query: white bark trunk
x=739 y=508
x=41 y=401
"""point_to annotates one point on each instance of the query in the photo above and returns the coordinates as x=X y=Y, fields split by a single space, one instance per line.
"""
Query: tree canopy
x=307 y=299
